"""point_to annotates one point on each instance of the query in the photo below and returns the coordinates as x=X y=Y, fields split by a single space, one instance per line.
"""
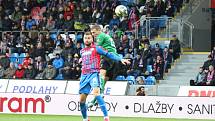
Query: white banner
x=197 y=91
x=122 y=106
x=3 y=85
x=111 y=87
x=36 y=86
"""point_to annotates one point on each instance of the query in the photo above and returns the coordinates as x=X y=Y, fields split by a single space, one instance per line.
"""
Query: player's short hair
x=88 y=33
x=96 y=27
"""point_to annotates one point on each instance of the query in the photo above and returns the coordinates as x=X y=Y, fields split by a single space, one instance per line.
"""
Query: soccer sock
x=102 y=85
x=83 y=110
x=102 y=105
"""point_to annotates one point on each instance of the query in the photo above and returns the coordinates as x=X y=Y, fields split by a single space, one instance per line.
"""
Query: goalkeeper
x=107 y=65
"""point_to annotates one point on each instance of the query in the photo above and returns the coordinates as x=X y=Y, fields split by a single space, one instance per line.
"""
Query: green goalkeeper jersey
x=106 y=42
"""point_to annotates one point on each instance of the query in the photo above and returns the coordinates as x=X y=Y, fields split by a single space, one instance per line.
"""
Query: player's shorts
x=88 y=82
x=109 y=66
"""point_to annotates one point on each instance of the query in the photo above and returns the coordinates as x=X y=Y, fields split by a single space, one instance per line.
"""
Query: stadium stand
x=43 y=29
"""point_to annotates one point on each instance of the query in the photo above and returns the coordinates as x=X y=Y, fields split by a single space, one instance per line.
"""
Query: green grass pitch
x=18 y=117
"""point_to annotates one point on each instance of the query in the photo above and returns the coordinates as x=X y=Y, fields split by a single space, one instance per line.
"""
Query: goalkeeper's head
x=96 y=30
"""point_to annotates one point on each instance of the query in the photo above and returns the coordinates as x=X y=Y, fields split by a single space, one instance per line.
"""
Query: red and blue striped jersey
x=90 y=60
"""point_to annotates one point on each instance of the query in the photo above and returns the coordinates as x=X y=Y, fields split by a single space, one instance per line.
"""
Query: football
x=121 y=11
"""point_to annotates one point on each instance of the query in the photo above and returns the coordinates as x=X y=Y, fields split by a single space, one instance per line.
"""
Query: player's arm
x=111 y=56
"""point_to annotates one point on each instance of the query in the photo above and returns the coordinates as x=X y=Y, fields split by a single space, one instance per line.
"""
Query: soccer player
x=107 y=65
x=90 y=78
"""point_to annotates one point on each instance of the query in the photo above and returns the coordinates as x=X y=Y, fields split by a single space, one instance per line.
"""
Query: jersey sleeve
x=112 y=56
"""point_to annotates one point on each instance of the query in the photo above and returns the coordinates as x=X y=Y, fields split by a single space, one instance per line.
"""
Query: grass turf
x=18 y=117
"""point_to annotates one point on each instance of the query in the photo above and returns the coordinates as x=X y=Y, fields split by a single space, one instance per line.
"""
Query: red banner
x=212 y=4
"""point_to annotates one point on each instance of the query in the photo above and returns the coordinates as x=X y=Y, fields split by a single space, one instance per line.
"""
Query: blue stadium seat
x=131 y=79
x=14 y=57
x=150 y=80
x=149 y=68
x=79 y=37
x=120 y=77
x=22 y=57
x=59 y=77
x=53 y=36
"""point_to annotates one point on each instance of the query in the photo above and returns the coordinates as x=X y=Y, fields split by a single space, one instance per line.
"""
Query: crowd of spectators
x=206 y=75
x=46 y=58
x=73 y=15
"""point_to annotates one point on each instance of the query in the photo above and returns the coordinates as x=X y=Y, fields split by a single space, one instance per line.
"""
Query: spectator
x=107 y=15
x=79 y=24
x=140 y=91
x=4 y=61
x=96 y=16
x=27 y=60
x=17 y=14
x=134 y=69
x=169 y=9
x=69 y=60
x=50 y=23
x=23 y=23
x=49 y=72
x=114 y=21
x=30 y=72
x=209 y=79
x=19 y=73
x=48 y=44
x=94 y=5
x=57 y=50
x=124 y=24
x=67 y=12
x=7 y=24
x=199 y=78
x=159 y=8
x=67 y=50
x=59 y=22
x=140 y=80
x=39 y=64
x=78 y=49
x=77 y=72
x=68 y=24
x=30 y=23
x=124 y=44
x=42 y=24
x=67 y=72
x=167 y=57
x=157 y=51
x=213 y=53
x=3 y=45
x=87 y=15
x=26 y=7
x=1 y=71
x=59 y=41
x=84 y=4
x=146 y=57
x=39 y=51
x=208 y=63
x=77 y=11
x=176 y=47
x=158 y=68
x=58 y=61
x=133 y=18
x=9 y=72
